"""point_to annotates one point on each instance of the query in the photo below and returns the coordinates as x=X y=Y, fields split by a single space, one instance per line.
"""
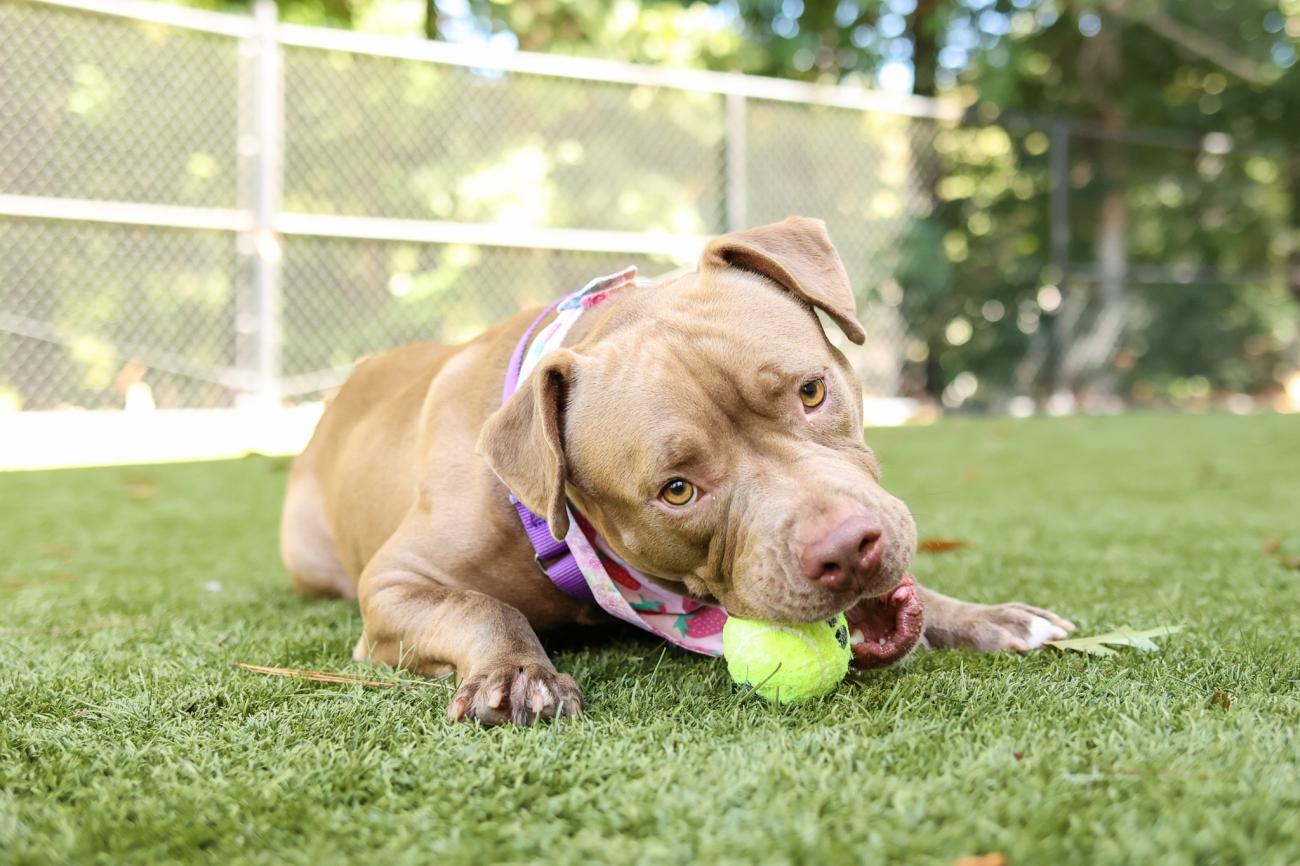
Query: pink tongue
x=890 y=624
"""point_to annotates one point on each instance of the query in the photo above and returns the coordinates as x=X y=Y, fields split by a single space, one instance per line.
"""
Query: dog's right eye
x=678 y=492
x=813 y=393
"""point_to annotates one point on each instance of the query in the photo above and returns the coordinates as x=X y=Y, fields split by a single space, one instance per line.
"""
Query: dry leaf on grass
x=141 y=492
x=58 y=550
x=1220 y=701
x=993 y=858
x=321 y=677
x=939 y=545
x=139 y=486
x=1100 y=645
x=1272 y=547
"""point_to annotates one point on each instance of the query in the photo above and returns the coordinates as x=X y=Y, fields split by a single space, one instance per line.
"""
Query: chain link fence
x=417 y=199
x=223 y=209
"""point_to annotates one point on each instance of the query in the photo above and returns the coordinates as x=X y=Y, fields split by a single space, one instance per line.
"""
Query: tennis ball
x=787 y=663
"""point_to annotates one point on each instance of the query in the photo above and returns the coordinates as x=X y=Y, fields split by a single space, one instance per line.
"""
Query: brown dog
x=704 y=425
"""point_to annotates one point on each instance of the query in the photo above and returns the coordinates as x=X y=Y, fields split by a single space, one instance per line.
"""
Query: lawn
x=127 y=734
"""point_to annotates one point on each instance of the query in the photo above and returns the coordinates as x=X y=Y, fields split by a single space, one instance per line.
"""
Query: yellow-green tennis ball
x=787 y=663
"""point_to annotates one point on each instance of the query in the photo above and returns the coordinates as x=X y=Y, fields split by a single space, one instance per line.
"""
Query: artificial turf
x=127 y=736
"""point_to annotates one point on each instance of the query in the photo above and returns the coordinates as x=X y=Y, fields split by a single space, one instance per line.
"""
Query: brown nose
x=845 y=555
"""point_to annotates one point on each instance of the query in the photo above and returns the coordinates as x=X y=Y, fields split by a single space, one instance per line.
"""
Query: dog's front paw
x=519 y=693
x=992 y=627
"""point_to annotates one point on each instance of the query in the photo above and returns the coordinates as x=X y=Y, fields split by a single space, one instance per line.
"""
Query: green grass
x=141 y=743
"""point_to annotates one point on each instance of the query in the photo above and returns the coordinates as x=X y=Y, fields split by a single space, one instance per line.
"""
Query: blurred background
x=209 y=211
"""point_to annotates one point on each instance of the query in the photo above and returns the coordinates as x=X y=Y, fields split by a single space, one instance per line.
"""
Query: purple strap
x=553 y=557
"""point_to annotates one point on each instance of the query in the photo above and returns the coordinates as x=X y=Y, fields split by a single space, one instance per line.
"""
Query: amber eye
x=678 y=492
x=813 y=393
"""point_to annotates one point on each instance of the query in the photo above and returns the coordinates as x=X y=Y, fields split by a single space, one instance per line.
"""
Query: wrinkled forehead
x=739 y=310
x=708 y=358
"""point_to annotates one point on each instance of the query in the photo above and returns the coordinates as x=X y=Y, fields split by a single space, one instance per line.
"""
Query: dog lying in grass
x=703 y=425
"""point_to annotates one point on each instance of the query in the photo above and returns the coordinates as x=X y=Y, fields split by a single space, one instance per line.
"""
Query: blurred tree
x=982 y=293
x=1117 y=65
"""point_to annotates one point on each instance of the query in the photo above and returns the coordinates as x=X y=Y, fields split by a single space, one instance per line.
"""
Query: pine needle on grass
x=322 y=677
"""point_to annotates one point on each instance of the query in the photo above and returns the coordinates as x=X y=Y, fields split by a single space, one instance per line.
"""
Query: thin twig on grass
x=322 y=677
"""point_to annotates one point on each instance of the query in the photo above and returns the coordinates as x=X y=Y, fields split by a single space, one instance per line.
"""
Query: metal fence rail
x=217 y=210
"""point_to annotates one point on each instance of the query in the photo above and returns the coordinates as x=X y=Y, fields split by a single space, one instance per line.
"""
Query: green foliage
x=1186 y=209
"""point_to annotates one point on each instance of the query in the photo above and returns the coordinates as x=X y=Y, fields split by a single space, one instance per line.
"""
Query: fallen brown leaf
x=1271 y=546
x=939 y=545
x=1220 y=700
x=139 y=486
x=993 y=858
x=322 y=677
x=58 y=550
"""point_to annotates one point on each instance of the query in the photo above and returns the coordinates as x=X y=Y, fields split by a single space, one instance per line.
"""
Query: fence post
x=261 y=158
x=737 y=199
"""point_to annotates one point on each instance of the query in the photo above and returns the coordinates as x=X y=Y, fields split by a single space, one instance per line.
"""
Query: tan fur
x=695 y=377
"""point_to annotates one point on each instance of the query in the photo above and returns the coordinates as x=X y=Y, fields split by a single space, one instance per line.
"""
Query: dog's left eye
x=813 y=393
x=678 y=492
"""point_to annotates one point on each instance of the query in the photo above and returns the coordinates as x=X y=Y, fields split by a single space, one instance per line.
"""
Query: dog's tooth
x=856 y=636
x=881 y=641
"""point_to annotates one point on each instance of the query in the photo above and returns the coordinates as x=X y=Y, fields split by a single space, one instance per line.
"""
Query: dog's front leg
x=412 y=620
x=950 y=622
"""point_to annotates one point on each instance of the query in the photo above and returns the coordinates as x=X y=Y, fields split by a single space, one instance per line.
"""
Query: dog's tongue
x=885 y=628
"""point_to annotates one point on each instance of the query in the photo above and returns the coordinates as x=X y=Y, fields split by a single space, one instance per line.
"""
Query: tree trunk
x=1087 y=359
x=925 y=48
x=925 y=62
x=431 y=19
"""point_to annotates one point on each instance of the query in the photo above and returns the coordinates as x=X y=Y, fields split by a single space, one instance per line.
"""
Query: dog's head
x=713 y=435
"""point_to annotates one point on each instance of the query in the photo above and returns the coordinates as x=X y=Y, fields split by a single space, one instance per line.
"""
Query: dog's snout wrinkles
x=845 y=555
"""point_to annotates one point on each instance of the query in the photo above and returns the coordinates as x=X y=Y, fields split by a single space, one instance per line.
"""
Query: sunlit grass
x=127 y=734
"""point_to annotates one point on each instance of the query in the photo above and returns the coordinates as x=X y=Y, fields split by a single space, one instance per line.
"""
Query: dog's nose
x=844 y=555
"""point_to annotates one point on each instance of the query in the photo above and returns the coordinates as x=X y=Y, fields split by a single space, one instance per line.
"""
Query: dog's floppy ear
x=797 y=254
x=523 y=441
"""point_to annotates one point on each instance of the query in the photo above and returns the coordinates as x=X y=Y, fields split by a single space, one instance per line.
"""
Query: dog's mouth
x=885 y=628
